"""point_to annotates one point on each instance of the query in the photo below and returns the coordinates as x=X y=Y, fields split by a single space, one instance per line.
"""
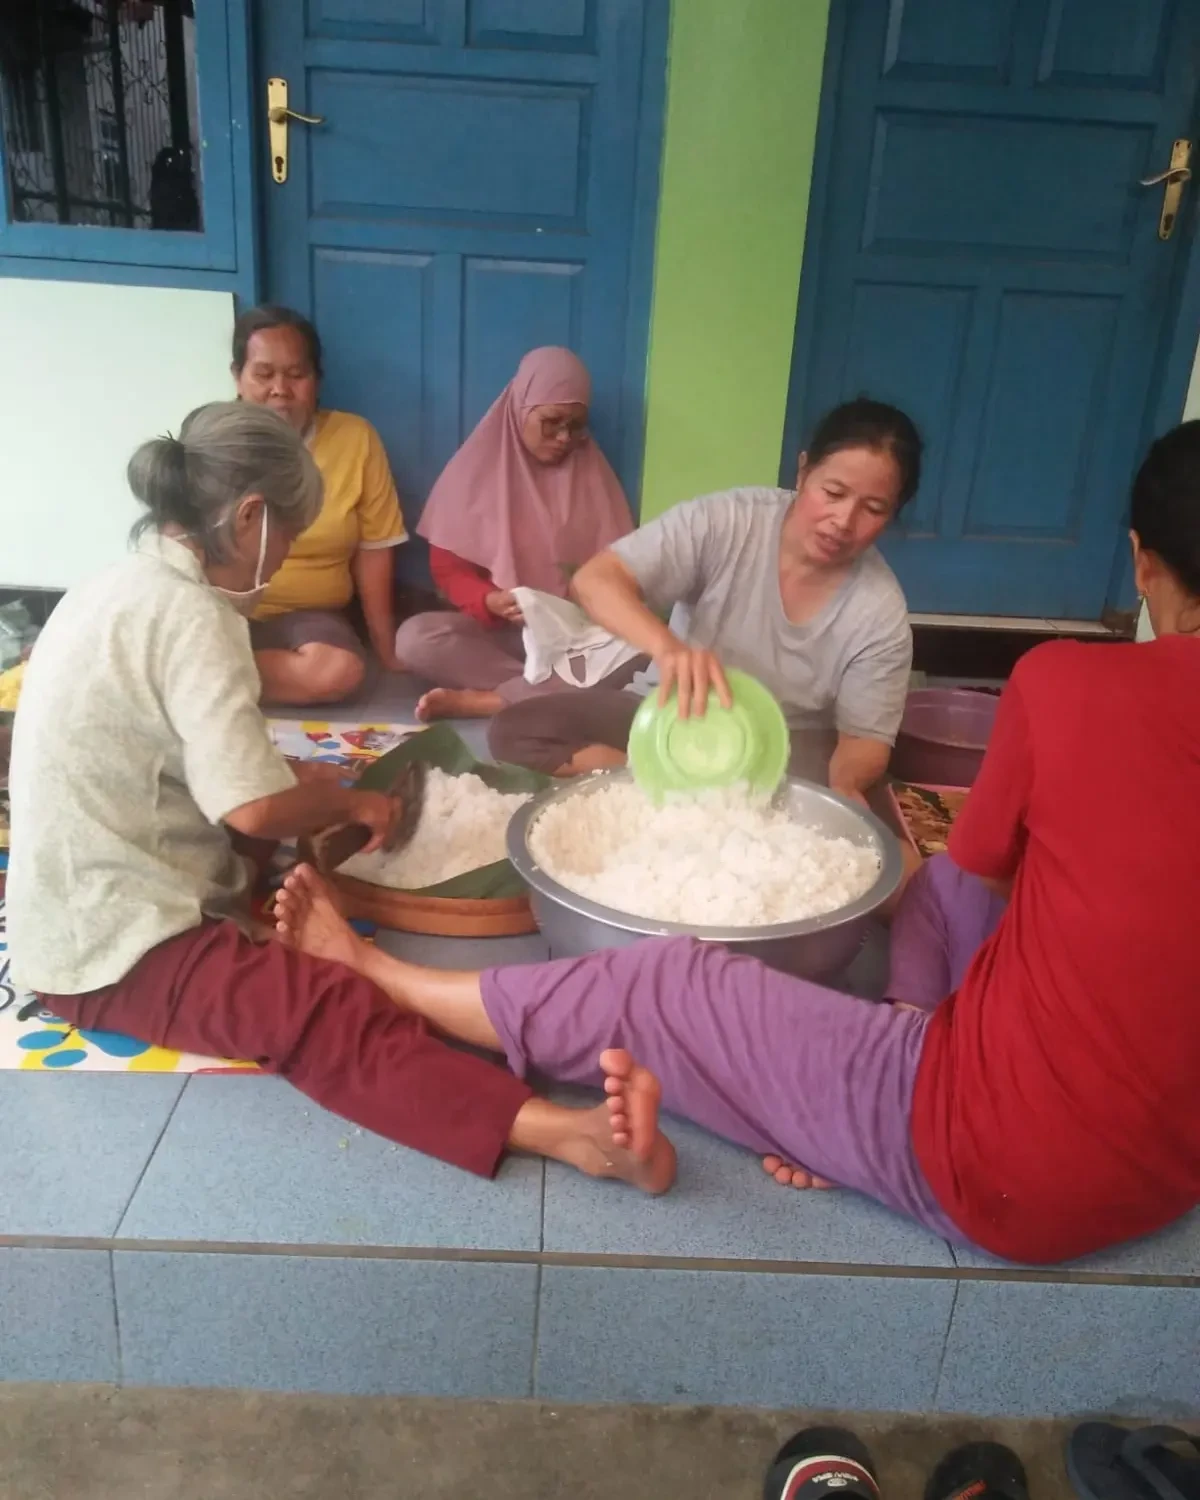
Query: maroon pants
x=331 y=1033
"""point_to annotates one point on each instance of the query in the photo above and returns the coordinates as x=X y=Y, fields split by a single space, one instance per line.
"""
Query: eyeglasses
x=575 y=429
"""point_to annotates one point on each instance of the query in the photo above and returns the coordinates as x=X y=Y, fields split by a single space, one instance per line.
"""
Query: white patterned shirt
x=138 y=730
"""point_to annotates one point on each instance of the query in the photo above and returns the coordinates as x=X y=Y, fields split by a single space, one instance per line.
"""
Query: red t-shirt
x=1055 y=1109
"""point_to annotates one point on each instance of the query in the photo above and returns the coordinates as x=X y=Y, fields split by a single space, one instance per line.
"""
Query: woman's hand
x=308 y=771
x=502 y=603
x=376 y=812
x=692 y=672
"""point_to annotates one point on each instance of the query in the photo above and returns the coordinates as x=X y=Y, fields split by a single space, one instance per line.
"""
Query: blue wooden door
x=980 y=251
x=483 y=182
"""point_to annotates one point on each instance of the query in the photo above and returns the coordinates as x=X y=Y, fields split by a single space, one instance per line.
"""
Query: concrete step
x=223 y=1231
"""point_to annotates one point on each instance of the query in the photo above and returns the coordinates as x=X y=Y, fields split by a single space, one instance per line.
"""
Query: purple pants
x=775 y=1064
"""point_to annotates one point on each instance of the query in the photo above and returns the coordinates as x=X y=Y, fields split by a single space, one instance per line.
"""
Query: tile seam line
x=150 y=1155
x=601 y=1261
x=116 y=1305
x=941 y=1367
x=538 y=1278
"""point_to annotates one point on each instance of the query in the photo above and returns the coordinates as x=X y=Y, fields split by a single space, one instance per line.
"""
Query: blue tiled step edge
x=223 y=1231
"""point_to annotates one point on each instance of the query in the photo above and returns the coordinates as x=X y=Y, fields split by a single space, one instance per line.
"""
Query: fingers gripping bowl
x=817 y=947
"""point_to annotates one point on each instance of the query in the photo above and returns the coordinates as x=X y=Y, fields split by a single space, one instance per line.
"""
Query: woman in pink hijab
x=525 y=501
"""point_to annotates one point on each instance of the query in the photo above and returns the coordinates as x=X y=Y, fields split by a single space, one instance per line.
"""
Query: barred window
x=100 y=113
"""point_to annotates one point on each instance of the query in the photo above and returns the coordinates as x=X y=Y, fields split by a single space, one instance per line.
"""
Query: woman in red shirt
x=526 y=500
x=1031 y=1089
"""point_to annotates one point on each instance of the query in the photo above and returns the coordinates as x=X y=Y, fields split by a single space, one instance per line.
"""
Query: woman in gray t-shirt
x=786 y=585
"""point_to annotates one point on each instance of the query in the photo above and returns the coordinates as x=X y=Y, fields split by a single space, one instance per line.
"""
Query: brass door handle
x=1176 y=175
x=278 y=115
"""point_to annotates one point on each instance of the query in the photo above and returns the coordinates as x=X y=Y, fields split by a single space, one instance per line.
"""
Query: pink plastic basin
x=943 y=736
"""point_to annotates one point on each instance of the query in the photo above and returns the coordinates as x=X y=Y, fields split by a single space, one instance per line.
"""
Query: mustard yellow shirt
x=360 y=510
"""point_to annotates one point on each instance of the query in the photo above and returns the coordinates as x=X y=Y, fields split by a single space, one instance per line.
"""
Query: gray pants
x=306 y=627
x=453 y=650
x=545 y=733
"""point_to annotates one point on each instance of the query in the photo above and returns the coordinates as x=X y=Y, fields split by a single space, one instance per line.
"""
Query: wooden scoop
x=334 y=846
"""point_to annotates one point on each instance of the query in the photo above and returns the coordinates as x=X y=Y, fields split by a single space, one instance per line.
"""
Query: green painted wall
x=743 y=87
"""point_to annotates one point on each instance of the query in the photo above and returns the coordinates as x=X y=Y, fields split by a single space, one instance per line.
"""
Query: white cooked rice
x=463 y=827
x=714 y=860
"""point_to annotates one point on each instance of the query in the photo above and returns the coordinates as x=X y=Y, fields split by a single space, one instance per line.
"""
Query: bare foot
x=638 y=1151
x=786 y=1175
x=457 y=703
x=307 y=919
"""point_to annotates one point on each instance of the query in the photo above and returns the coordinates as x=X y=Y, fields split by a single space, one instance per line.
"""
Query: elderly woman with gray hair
x=139 y=748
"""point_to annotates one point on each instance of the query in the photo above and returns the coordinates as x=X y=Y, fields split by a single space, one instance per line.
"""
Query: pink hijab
x=528 y=524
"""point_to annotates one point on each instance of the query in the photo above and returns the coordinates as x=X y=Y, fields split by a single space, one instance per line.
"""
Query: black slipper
x=1107 y=1462
x=820 y=1462
x=979 y=1471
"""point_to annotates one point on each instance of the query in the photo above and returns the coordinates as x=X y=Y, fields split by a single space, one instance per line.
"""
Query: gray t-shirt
x=717 y=560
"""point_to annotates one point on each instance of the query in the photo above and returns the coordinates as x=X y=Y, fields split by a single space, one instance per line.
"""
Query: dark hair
x=224 y=452
x=259 y=319
x=863 y=423
x=1165 y=511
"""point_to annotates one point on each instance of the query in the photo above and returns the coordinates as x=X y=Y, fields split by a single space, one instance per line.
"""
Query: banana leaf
x=443 y=747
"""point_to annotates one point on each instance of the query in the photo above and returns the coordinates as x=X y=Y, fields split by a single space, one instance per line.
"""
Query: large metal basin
x=819 y=948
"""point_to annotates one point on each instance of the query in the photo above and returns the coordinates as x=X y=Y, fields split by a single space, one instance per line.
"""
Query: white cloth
x=138 y=731
x=560 y=639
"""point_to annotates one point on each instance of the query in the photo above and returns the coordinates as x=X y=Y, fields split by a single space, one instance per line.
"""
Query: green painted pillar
x=743 y=87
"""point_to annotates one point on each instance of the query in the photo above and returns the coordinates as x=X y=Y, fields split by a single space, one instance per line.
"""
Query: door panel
x=510 y=306
x=567 y=24
x=469 y=146
x=938 y=182
x=471 y=195
x=981 y=253
x=1040 y=416
x=1129 y=45
x=919 y=44
x=370 y=20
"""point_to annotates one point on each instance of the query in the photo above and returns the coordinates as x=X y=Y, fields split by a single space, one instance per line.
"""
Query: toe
x=616 y=1062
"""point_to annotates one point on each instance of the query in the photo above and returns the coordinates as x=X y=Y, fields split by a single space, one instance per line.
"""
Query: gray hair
x=224 y=452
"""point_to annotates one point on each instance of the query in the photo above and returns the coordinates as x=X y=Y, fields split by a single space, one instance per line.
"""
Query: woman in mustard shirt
x=306 y=649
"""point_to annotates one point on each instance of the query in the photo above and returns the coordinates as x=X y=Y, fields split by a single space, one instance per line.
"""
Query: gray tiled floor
x=408 y=1276
x=56 y=1316
x=725 y=1207
x=761 y=1340
x=77 y=1145
x=252 y=1160
x=1028 y=1348
x=347 y=1326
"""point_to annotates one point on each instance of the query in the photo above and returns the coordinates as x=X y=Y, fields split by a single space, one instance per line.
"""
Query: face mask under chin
x=246 y=601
